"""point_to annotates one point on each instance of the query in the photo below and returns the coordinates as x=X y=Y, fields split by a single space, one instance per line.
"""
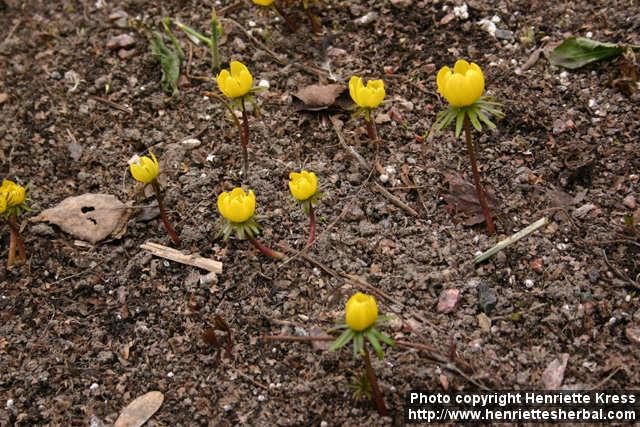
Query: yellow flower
x=3 y=202
x=361 y=311
x=462 y=86
x=369 y=96
x=14 y=194
x=145 y=169
x=237 y=83
x=303 y=185
x=237 y=206
x=263 y=2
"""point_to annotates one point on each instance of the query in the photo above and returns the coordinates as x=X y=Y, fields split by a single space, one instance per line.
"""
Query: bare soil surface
x=85 y=329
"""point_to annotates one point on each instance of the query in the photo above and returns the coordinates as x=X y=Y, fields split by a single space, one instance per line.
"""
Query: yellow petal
x=476 y=83
x=443 y=76
x=355 y=83
x=461 y=66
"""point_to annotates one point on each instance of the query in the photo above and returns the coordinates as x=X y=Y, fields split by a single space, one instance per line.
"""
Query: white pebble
x=384 y=178
x=170 y=374
x=528 y=283
x=94 y=387
x=264 y=83
x=261 y=398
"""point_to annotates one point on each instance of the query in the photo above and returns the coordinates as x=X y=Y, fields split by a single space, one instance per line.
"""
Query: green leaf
x=371 y=336
x=483 y=117
x=358 y=344
x=385 y=339
x=459 y=121
x=576 y=52
x=473 y=118
x=342 y=340
x=169 y=62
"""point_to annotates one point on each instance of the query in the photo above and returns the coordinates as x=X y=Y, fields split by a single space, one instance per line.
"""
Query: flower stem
x=476 y=178
x=15 y=241
x=376 y=395
x=245 y=138
x=313 y=21
x=163 y=214
x=312 y=224
x=287 y=19
x=372 y=131
x=265 y=250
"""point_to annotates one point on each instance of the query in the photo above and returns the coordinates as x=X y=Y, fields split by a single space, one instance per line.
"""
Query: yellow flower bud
x=369 y=96
x=14 y=194
x=236 y=82
x=3 y=202
x=361 y=311
x=263 y=2
x=462 y=86
x=303 y=185
x=145 y=169
x=236 y=206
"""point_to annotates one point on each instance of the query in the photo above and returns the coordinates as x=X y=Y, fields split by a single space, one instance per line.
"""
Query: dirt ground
x=85 y=328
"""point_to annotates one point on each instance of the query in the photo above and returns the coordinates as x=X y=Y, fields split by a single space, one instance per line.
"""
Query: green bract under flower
x=478 y=113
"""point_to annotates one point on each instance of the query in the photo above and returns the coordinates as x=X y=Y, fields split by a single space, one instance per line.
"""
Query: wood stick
x=511 y=239
x=188 y=259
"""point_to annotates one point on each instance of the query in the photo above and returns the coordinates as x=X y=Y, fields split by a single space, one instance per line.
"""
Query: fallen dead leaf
x=90 y=217
x=140 y=410
x=318 y=97
x=553 y=376
x=462 y=199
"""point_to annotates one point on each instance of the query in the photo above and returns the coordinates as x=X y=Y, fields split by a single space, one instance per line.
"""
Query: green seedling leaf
x=342 y=340
x=169 y=62
x=358 y=344
x=371 y=336
x=576 y=52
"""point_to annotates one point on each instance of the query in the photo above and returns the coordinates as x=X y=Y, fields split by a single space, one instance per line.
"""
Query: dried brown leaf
x=140 y=410
x=89 y=217
x=317 y=97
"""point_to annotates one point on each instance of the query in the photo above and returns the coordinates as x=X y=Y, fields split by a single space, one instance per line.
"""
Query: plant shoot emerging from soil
x=463 y=87
x=361 y=318
x=13 y=199
x=213 y=42
x=238 y=210
x=236 y=83
x=304 y=189
x=367 y=98
x=145 y=169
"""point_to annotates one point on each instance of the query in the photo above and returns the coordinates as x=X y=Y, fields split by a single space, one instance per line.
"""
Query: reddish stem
x=313 y=21
x=163 y=214
x=372 y=132
x=312 y=224
x=15 y=241
x=476 y=178
x=376 y=395
x=245 y=139
x=287 y=20
x=266 y=250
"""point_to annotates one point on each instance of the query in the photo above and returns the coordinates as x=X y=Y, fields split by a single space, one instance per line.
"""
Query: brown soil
x=114 y=316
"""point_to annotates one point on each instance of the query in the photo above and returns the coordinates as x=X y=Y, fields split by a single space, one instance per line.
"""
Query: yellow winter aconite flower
x=462 y=86
x=361 y=311
x=237 y=206
x=263 y=2
x=303 y=185
x=369 y=96
x=3 y=202
x=13 y=193
x=235 y=82
x=145 y=169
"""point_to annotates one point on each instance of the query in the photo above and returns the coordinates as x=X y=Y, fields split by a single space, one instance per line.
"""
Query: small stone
x=633 y=334
x=484 y=322
x=448 y=300
x=486 y=299
x=528 y=283
x=475 y=345
x=238 y=45
x=367 y=19
x=3 y=97
x=55 y=75
x=504 y=34
x=401 y=3
x=594 y=275
x=461 y=12
x=120 y=41
x=42 y=229
x=119 y=19
x=537 y=265
x=105 y=356
x=190 y=143
x=126 y=53
x=628 y=201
